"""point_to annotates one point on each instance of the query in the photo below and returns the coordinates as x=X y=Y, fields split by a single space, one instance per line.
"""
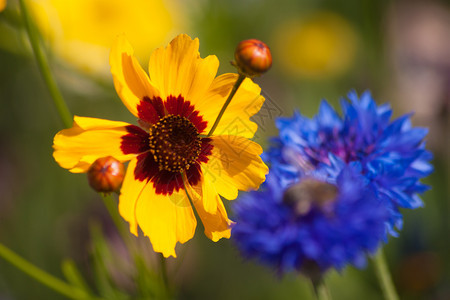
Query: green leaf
x=101 y=253
x=74 y=276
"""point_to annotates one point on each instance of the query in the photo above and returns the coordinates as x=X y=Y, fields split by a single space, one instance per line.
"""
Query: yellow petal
x=166 y=220
x=216 y=224
x=236 y=120
x=178 y=69
x=130 y=80
x=129 y=194
x=208 y=193
x=78 y=147
x=234 y=164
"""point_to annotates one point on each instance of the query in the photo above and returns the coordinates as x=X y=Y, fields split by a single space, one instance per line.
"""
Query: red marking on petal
x=151 y=110
x=206 y=150
x=135 y=142
x=179 y=107
x=186 y=109
x=193 y=174
x=198 y=121
x=166 y=182
x=146 y=167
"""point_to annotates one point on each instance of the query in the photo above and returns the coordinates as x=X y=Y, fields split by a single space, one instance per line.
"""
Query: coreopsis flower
x=171 y=152
x=328 y=218
x=391 y=152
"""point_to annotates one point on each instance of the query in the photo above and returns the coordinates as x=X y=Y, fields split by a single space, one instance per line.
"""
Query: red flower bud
x=252 y=57
x=106 y=174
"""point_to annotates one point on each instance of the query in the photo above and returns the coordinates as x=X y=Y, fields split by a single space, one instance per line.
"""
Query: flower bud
x=309 y=193
x=106 y=174
x=252 y=57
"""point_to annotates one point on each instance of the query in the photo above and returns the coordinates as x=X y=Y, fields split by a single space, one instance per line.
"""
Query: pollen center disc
x=174 y=143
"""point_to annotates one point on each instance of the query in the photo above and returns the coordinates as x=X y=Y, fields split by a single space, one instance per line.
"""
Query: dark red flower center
x=169 y=144
x=174 y=143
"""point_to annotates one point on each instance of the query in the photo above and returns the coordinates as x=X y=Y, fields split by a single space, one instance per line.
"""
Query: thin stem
x=112 y=209
x=164 y=277
x=384 y=277
x=44 y=67
x=42 y=276
x=227 y=102
x=321 y=290
x=113 y=212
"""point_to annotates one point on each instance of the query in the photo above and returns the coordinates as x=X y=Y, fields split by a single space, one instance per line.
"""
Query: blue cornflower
x=335 y=187
x=392 y=154
x=327 y=218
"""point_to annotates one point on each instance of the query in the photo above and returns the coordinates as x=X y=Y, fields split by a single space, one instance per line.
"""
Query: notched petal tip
x=183 y=37
x=178 y=69
x=165 y=251
x=165 y=220
x=216 y=224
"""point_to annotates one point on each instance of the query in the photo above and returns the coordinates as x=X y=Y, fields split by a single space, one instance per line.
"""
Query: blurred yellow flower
x=2 y=5
x=321 y=45
x=81 y=32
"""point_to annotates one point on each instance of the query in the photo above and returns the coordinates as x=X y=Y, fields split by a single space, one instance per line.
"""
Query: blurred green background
x=321 y=49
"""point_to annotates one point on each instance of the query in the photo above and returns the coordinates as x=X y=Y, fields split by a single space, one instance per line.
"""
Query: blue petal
x=327 y=116
x=376 y=165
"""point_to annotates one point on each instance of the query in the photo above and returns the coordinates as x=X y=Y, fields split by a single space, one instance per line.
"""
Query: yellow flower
x=169 y=153
x=2 y=5
x=322 y=45
x=81 y=32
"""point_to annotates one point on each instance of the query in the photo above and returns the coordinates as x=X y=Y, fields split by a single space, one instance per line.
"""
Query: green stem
x=321 y=290
x=113 y=212
x=384 y=277
x=164 y=277
x=227 y=102
x=42 y=276
x=44 y=67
